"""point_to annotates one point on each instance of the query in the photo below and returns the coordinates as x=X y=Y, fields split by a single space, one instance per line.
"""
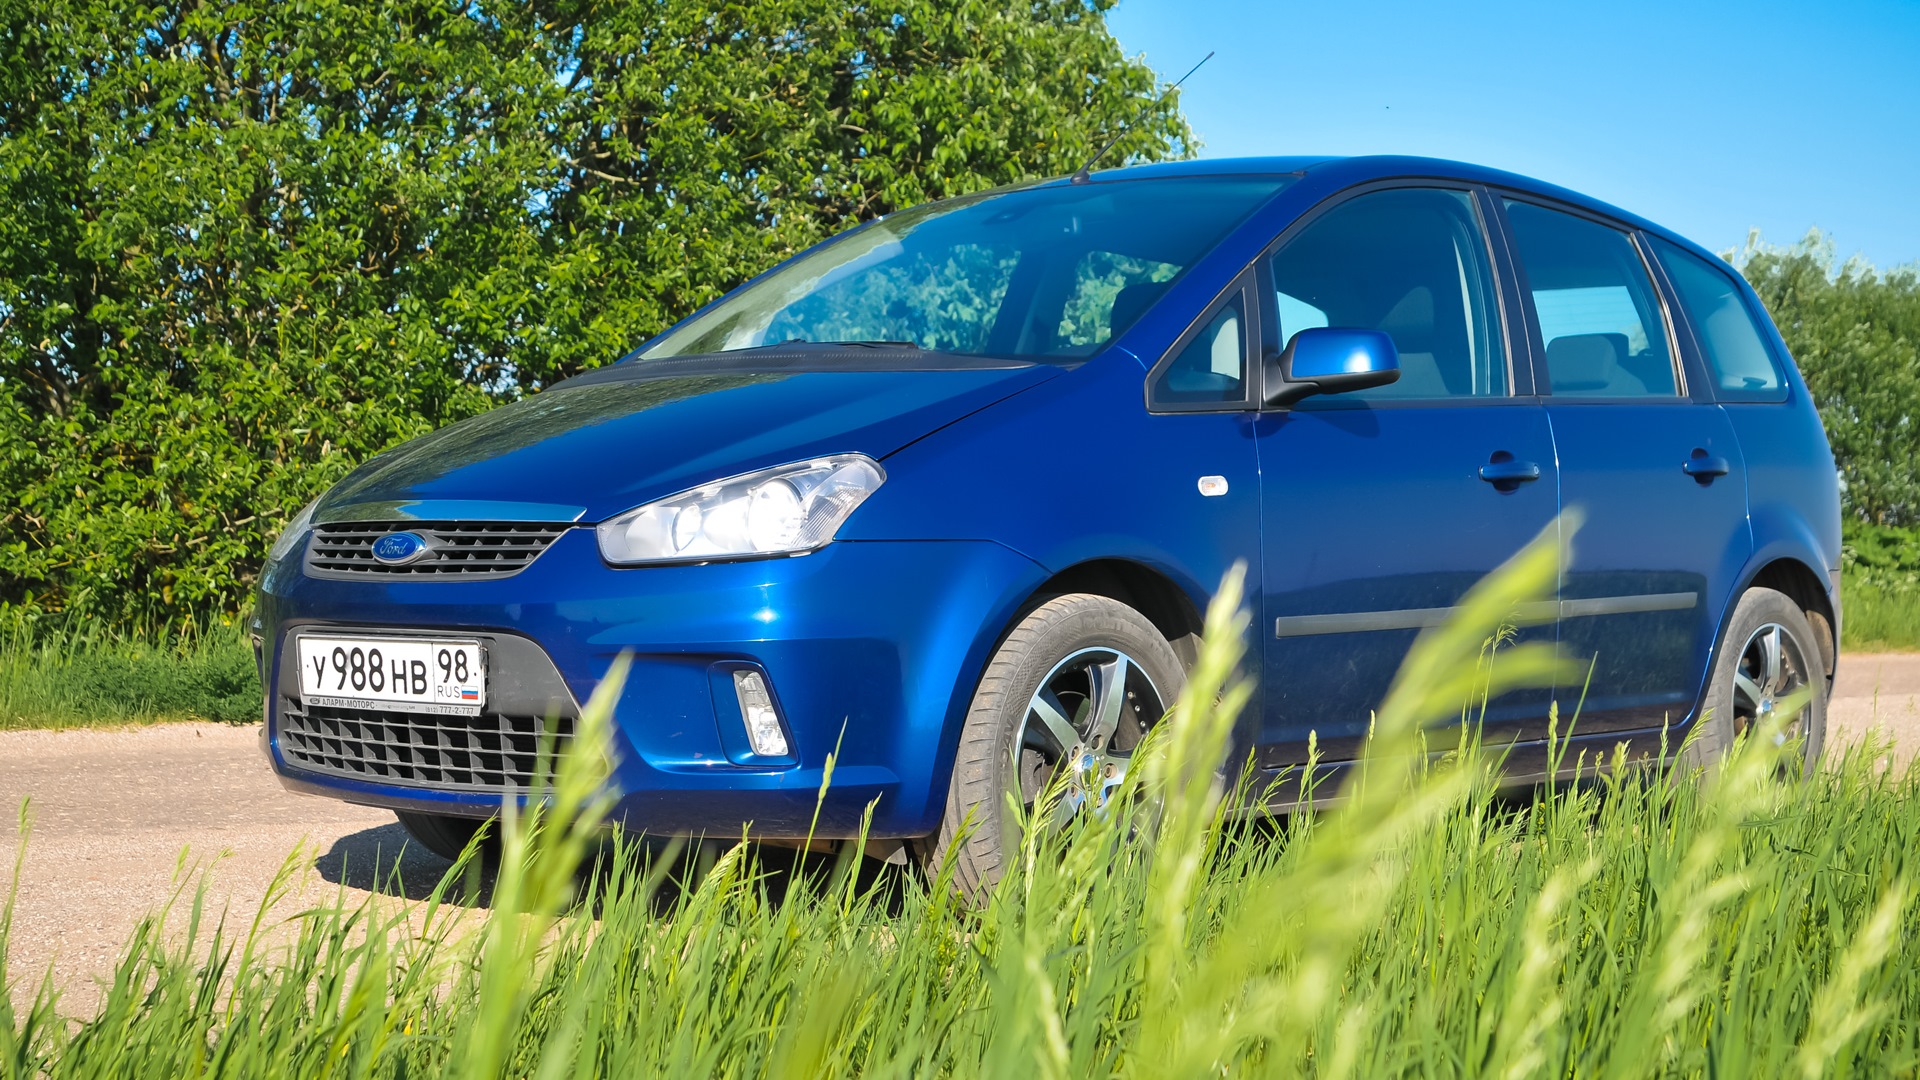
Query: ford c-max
x=946 y=495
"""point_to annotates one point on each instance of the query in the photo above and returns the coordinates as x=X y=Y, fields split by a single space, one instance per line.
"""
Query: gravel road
x=125 y=817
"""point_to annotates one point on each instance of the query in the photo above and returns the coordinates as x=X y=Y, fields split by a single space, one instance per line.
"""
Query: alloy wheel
x=1772 y=666
x=1085 y=720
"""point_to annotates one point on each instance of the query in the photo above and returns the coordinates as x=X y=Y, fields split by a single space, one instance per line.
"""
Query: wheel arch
x=1171 y=608
x=1174 y=608
x=1786 y=564
x=1804 y=586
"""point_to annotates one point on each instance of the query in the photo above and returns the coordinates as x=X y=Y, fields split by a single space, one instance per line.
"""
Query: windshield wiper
x=873 y=343
x=803 y=343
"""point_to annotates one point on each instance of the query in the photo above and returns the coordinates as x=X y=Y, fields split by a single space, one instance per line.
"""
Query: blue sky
x=1708 y=117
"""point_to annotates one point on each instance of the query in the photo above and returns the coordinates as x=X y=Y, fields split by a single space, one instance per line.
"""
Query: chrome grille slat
x=488 y=753
x=460 y=548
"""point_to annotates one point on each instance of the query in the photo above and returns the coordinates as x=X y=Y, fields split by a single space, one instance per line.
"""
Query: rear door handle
x=1703 y=466
x=1509 y=472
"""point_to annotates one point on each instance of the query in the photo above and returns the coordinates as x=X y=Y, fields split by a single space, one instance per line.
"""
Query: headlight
x=784 y=510
x=292 y=534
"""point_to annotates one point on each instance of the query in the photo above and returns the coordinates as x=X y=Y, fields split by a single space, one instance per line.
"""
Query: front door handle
x=1504 y=472
x=1703 y=466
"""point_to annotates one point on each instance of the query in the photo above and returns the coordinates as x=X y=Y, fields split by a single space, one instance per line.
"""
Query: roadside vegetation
x=60 y=672
x=1880 y=588
x=1640 y=925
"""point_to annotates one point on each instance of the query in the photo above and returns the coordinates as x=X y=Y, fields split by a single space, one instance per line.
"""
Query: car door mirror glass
x=1334 y=360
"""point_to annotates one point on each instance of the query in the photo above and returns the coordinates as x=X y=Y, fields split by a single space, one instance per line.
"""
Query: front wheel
x=444 y=835
x=1071 y=690
x=1769 y=653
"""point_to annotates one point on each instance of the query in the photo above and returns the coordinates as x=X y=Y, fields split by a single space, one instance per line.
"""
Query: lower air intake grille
x=452 y=549
x=490 y=753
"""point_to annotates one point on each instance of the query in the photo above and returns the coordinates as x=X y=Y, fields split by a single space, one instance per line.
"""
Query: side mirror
x=1334 y=360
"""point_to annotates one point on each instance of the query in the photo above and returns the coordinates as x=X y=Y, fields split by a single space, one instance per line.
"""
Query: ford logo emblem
x=401 y=548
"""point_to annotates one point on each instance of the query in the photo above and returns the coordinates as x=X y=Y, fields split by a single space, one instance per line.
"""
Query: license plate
x=443 y=676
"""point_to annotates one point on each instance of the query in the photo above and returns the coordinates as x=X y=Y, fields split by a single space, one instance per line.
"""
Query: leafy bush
x=1880 y=549
x=1855 y=333
x=245 y=246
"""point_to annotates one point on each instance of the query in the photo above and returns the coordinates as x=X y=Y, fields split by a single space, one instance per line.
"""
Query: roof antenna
x=1082 y=175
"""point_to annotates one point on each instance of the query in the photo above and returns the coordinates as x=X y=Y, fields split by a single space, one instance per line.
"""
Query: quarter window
x=1736 y=352
x=1212 y=365
x=1408 y=261
x=1599 y=318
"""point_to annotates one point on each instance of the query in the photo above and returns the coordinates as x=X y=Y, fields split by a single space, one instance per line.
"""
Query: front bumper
x=872 y=650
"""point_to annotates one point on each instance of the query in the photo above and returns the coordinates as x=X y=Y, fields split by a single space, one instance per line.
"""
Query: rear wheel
x=1769 y=654
x=441 y=834
x=1072 y=690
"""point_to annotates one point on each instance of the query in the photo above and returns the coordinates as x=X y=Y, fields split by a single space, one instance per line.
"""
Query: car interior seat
x=1591 y=364
x=1131 y=302
x=1411 y=324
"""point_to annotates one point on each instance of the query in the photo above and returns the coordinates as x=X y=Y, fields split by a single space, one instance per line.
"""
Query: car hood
x=592 y=447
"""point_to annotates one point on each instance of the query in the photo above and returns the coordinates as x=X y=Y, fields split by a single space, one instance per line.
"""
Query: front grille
x=491 y=752
x=455 y=549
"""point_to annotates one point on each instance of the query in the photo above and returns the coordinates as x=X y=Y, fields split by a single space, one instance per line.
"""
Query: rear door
x=1655 y=469
x=1381 y=508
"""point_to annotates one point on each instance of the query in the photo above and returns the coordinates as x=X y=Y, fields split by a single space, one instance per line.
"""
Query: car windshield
x=1050 y=273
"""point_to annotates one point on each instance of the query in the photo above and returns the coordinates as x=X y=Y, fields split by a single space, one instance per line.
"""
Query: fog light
x=756 y=708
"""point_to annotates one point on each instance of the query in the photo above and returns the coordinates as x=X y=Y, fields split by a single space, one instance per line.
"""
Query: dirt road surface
x=118 y=812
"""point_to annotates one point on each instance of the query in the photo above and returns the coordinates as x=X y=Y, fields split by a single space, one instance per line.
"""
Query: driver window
x=1410 y=262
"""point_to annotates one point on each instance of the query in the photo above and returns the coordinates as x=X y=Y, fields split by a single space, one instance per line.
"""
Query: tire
x=1740 y=672
x=443 y=835
x=1063 y=646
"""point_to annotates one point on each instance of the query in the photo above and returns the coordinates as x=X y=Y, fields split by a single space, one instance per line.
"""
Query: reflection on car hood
x=592 y=447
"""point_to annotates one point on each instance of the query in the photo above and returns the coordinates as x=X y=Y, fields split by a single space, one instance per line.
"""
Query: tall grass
x=1639 y=924
x=58 y=672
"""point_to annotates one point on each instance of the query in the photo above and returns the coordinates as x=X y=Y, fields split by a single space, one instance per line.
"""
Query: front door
x=1657 y=475
x=1381 y=508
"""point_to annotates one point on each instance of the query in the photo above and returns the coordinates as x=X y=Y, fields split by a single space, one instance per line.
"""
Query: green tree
x=1855 y=333
x=244 y=246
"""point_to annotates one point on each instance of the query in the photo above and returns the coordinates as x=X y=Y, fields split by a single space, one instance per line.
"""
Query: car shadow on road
x=386 y=860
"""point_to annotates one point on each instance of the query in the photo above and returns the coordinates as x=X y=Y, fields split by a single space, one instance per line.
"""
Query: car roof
x=1354 y=170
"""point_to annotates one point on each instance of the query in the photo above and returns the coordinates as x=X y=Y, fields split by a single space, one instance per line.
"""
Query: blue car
x=944 y=497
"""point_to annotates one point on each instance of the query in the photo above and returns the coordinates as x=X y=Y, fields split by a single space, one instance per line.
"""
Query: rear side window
x=1411 y=262
x=1599 y=316
x=1737 y=354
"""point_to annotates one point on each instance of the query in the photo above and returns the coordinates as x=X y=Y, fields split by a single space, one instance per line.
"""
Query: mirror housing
x=1334 y=360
